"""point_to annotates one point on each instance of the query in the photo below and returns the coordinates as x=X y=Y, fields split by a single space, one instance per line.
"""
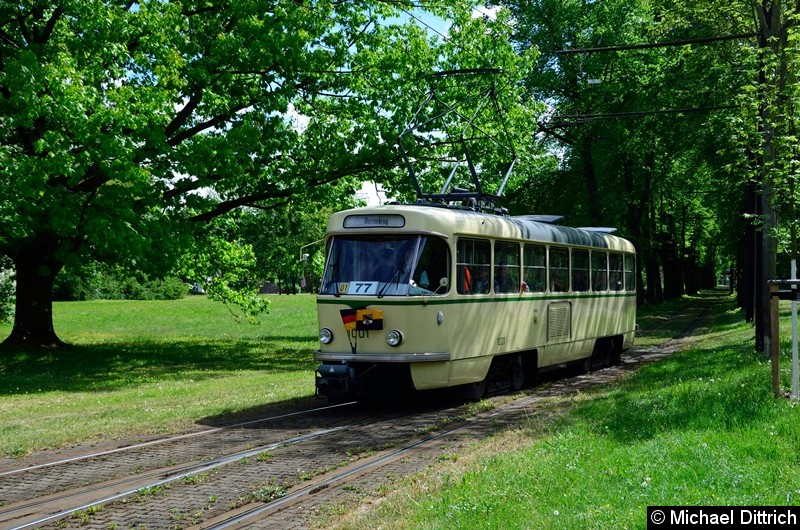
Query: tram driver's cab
x=386 y=265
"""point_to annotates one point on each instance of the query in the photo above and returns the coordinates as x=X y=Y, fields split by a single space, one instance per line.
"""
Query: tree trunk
x=673 y=264
x=595 y=210
x=655 y=293
x=746 y=265
x=691 y=271
x=33 y=314
x=636 y=220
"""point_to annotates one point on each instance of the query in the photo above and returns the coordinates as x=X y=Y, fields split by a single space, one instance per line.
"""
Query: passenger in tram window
x=556 y=285
x=464 y=280
x=482 y=280
x=504 y=283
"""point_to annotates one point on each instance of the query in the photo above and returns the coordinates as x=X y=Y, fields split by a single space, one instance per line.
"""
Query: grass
x=699 y=428
x=146 y=367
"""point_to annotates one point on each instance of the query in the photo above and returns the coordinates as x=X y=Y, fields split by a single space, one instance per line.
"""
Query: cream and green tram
x=419 y=297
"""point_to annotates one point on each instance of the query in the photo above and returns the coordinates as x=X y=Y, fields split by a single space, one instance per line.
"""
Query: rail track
x=274 y=471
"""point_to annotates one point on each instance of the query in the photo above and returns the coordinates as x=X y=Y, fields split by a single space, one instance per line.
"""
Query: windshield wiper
x=395 y=278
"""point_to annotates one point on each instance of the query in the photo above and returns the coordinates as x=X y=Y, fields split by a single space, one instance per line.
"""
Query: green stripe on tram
x=417 y=300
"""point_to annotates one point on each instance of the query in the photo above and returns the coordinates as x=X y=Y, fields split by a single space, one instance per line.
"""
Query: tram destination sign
x=374 y=221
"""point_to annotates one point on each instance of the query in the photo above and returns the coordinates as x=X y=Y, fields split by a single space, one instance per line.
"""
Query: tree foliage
x=126 y=124
x=646 y=120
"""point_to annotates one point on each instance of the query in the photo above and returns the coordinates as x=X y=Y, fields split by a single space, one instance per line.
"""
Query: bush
x=169 y=288
x=6 y=296
x=74 y=284
x=97 y=281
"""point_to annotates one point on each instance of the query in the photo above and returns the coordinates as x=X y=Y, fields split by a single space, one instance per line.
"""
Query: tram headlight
x=325 y=336
x=394 y=337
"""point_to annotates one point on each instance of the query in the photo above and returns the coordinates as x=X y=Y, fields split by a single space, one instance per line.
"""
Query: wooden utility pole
x=774 y=348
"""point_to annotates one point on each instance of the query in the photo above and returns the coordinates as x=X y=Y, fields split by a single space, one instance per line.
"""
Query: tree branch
x=5 y=37
x=208 y=124
x=92 y=182
x=249 y=200
x=51 y=24
x=24 y=30
x=184 y=113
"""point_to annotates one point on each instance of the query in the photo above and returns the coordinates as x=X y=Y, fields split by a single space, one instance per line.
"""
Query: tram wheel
x=616 y=353
x=608 y=353
x=600 y=357
x=517 y=372
x=475 y=390
x=587 y=364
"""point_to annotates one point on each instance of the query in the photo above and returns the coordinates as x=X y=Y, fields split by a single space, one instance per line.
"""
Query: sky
x=372 y=193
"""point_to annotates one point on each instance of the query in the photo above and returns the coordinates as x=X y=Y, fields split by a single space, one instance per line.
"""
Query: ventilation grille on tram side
x=559 y=317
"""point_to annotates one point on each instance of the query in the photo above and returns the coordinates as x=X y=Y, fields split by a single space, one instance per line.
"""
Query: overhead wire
x=577 y=119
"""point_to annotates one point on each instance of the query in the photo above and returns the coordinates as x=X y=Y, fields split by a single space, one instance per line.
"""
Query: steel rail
x=168 y=439
x=175 y=474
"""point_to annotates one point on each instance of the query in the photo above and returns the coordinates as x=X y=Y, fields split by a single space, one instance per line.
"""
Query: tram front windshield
x=386 y=265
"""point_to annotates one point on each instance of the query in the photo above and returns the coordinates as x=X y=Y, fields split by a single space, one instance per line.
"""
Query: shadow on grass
x=105 y=367
x=412 y=403
x=672 y=318
x=696 y=390
x=723 y=385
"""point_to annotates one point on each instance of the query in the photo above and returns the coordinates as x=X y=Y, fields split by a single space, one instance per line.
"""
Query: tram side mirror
x=444 y=281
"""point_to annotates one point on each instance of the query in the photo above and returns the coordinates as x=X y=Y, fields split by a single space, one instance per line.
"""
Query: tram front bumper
x=346 y=375
x=382 y=357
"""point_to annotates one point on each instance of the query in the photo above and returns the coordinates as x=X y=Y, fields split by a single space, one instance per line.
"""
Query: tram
x=417 y=297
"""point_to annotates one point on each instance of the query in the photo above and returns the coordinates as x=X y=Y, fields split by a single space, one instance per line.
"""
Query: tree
x=280 y=235
x=777 y=153
x=125 y=124
x=643 y=126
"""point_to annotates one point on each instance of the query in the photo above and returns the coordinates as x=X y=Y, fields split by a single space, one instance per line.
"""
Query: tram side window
x=580 y=270
x=506 y=267
x=615 y=271
x=630 y=277
x=534 y=264
x=430 y=274
x=599 y=271
x=559 y=269
x=472 y=266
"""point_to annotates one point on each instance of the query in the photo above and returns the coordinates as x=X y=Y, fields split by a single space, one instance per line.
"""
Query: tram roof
x=446 y=221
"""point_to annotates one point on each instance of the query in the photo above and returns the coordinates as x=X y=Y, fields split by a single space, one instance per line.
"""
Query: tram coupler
x=334 y=380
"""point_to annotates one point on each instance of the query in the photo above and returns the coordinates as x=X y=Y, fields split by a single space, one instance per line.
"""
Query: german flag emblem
x=349 y=319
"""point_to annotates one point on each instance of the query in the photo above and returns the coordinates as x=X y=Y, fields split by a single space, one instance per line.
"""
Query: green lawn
x=145 y=367
x=699 y=428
